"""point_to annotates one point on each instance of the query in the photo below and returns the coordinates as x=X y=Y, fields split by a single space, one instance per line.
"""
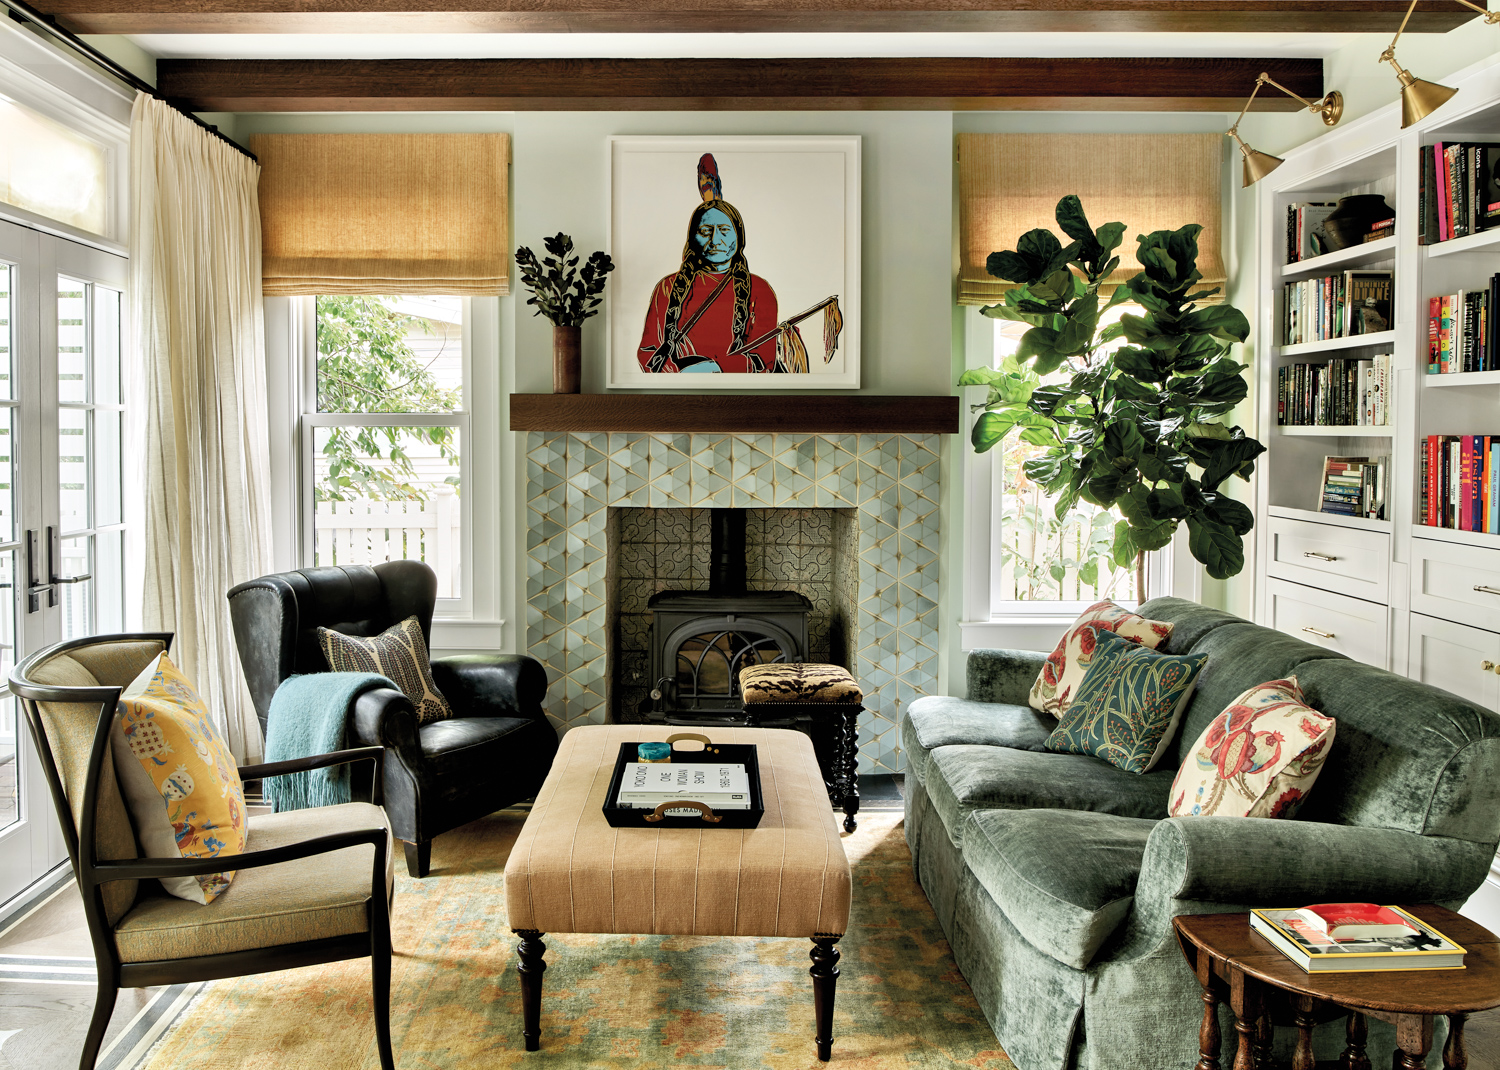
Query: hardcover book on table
x=1356 y=938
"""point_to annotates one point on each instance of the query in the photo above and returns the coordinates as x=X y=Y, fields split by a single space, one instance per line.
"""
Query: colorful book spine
x=1440 y=172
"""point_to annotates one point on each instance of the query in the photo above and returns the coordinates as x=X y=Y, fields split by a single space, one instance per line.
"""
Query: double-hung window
x=385 y=435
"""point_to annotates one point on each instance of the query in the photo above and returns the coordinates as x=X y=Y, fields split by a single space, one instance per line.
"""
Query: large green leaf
x=1231 y=512
x=1221 y=321
x=1010 y=266
x=1229 y=457
x=1216 y=545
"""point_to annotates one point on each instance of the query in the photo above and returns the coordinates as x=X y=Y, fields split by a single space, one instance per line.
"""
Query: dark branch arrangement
x=560 y=290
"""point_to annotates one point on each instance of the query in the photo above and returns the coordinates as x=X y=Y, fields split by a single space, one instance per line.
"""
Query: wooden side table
x=1237 y=965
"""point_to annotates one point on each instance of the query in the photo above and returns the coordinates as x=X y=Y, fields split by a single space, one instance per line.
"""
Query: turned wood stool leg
x=1413 y=1042
x=1302 y=1015
x=1355 y=1034
x=1210 y=1041
x=1455 y=1055
x=1263 y=1038
x=1245 y=1001
x=848 y=760
x=825 y=975
x=531 y=968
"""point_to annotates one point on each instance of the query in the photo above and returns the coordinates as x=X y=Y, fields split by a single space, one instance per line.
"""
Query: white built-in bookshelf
x=1420 y=600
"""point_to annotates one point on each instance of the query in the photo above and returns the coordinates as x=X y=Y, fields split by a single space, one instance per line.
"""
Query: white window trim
x=1022 y=626
x=38 y=75
x=472 y=622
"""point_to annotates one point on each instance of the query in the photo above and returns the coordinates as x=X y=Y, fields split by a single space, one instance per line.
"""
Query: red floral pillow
x=1063 y=672
x=1258 y=758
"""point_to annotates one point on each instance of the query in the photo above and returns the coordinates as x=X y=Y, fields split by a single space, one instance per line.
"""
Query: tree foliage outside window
x=366 y=364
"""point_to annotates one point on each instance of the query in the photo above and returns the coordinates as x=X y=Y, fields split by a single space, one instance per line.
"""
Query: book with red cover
x=1356 y=938
x=1434 y=321
x=1465 y=482
x=1433 y=507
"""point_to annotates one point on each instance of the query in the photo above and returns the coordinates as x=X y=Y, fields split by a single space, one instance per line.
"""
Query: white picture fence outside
x=369 y=532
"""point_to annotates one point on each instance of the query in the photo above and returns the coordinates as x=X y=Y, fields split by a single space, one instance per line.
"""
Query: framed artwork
x=737 y=262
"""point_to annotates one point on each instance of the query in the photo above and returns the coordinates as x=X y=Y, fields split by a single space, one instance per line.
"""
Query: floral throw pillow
x=1063 y=672
x=1258 y=758
x=179 y=779
x=1129 y=705
x=400 y=653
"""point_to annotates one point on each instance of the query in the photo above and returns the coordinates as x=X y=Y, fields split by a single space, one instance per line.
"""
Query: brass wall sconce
x=1260 y=164
x=1419 y=98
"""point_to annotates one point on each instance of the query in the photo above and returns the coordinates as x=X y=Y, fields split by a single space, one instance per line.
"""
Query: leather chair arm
x=492 y=685
x=384 y=717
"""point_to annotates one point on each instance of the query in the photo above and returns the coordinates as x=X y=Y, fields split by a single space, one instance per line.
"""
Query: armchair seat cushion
x=1066 y=880
x=459 y=743
x=963 y=779
x=306 y=899
x=934 y=721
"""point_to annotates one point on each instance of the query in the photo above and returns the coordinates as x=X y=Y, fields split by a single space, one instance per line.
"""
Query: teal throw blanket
x=308 y=715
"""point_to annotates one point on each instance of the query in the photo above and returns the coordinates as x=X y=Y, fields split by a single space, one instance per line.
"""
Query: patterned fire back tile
x=890 y=480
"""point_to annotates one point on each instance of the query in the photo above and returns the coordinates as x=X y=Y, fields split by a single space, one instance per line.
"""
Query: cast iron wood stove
x=700 y=640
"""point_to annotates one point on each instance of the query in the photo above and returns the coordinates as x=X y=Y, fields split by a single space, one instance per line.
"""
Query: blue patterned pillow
x=1129 y=704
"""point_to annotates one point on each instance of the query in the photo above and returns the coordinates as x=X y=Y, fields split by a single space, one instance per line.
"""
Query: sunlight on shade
x=47 y=169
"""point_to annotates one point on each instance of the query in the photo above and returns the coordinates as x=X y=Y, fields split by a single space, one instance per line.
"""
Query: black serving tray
x=728 y=753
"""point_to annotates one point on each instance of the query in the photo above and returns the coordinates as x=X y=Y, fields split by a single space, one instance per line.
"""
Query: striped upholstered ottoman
x=825 y=699
x=571 y=872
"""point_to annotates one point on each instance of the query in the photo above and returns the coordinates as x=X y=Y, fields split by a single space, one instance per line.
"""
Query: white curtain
x=196 y=283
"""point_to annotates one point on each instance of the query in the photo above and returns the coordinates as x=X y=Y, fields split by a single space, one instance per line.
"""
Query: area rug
x=609 y=1002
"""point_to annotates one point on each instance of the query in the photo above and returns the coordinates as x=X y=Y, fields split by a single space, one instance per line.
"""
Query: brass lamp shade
x=1419 y=98
x=1258 y=165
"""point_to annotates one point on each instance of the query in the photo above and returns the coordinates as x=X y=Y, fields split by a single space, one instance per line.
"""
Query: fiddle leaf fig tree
x=1138 y=427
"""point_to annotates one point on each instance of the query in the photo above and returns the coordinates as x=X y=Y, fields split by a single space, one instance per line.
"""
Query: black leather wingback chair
x=494 y=751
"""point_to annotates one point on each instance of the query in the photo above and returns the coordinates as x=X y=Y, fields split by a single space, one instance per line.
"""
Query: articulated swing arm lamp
x=1419 y=98
x=1260 y=164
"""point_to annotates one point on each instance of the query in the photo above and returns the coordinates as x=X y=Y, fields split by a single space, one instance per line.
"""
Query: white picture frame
x=798 y=199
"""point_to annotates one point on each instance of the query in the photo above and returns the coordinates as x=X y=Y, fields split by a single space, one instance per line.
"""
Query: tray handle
x=708 y=744
x=660 y=812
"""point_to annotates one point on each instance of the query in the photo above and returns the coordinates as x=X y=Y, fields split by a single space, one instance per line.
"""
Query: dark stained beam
x=749 y=16
x=731 y=85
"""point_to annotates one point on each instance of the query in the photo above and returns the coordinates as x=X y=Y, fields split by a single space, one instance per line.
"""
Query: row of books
x=1459 y=485
x=1356 y=938
x=1458 y=192
x=1342 y=392
x=1354 y=486
x=1336 y=306
x=1461 y=330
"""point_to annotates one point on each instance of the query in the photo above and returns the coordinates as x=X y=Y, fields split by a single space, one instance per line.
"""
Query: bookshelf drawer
x=1456 y=658
x=1351 y=626
x=1343 y=560
x=1456 y=582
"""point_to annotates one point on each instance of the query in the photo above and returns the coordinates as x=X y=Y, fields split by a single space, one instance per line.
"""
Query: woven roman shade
x=384 y=213
x=1011 y=183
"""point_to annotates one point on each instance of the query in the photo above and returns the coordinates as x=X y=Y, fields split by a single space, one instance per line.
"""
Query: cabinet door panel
x=1454 y=657
x=1455 y=582
x=1352 y=626
x=1344 y=560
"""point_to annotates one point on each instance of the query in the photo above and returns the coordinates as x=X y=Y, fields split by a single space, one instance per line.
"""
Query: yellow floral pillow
x=179 y=779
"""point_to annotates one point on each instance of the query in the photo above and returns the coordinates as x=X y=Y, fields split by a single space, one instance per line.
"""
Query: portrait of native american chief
x=713 y=314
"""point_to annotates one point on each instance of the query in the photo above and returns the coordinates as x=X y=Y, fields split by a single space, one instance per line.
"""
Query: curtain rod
x=24 y=13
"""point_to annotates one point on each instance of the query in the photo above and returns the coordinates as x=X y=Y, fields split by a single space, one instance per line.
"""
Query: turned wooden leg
x=1413 y=1042
x=1263 y=1038
x=531 y=968
x=1210 y=1042
x=1302 y=1017
x=825 y=975
x=1455 y=1055
x=1245 y=1001
x=848 y=760
x=1354 y=1057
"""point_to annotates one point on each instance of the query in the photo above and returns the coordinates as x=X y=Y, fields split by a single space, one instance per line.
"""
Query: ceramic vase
x=567 y=359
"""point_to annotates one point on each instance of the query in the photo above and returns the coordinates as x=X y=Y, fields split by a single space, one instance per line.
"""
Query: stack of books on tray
x=1356 y=938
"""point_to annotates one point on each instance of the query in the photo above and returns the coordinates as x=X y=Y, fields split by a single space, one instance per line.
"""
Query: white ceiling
x=726 y=46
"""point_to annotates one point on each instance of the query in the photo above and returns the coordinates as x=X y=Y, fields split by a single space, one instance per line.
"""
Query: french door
x=62 y=552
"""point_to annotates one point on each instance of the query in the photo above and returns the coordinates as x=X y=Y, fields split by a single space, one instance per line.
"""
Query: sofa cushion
x=962 y=779
x=398 y=653
x=940 y=721
x=1066 y=880
x=1129 y=704
x=1058 y=682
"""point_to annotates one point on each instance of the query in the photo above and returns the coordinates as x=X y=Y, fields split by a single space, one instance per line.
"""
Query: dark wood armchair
x=305 y=890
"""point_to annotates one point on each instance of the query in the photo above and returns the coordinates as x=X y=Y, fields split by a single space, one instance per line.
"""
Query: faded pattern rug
x=609 y=1002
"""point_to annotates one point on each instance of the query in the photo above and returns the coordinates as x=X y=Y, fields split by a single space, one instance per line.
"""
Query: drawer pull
x=1486 y=666
x=1329 y=557
x=1325 y=635
x=1482 y=589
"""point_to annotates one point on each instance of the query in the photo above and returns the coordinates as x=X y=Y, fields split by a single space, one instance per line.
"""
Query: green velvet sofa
x=1056 y=876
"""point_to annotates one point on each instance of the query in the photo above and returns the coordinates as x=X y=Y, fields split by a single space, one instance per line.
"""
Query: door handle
x=1314 y=631
x=33 y=588
x=52 y=577
x=1320 y=557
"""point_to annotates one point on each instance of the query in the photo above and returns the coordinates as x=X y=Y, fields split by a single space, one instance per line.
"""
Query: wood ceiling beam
x=749 y=16
x=732 y=85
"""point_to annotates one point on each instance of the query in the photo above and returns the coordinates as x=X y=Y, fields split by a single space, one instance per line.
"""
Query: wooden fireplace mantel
x=815 y=414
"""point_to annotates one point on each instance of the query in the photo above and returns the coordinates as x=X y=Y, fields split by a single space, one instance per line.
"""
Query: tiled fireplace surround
x=889 y=483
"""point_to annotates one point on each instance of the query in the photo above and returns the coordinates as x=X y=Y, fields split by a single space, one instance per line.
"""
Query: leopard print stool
x=832 y=700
